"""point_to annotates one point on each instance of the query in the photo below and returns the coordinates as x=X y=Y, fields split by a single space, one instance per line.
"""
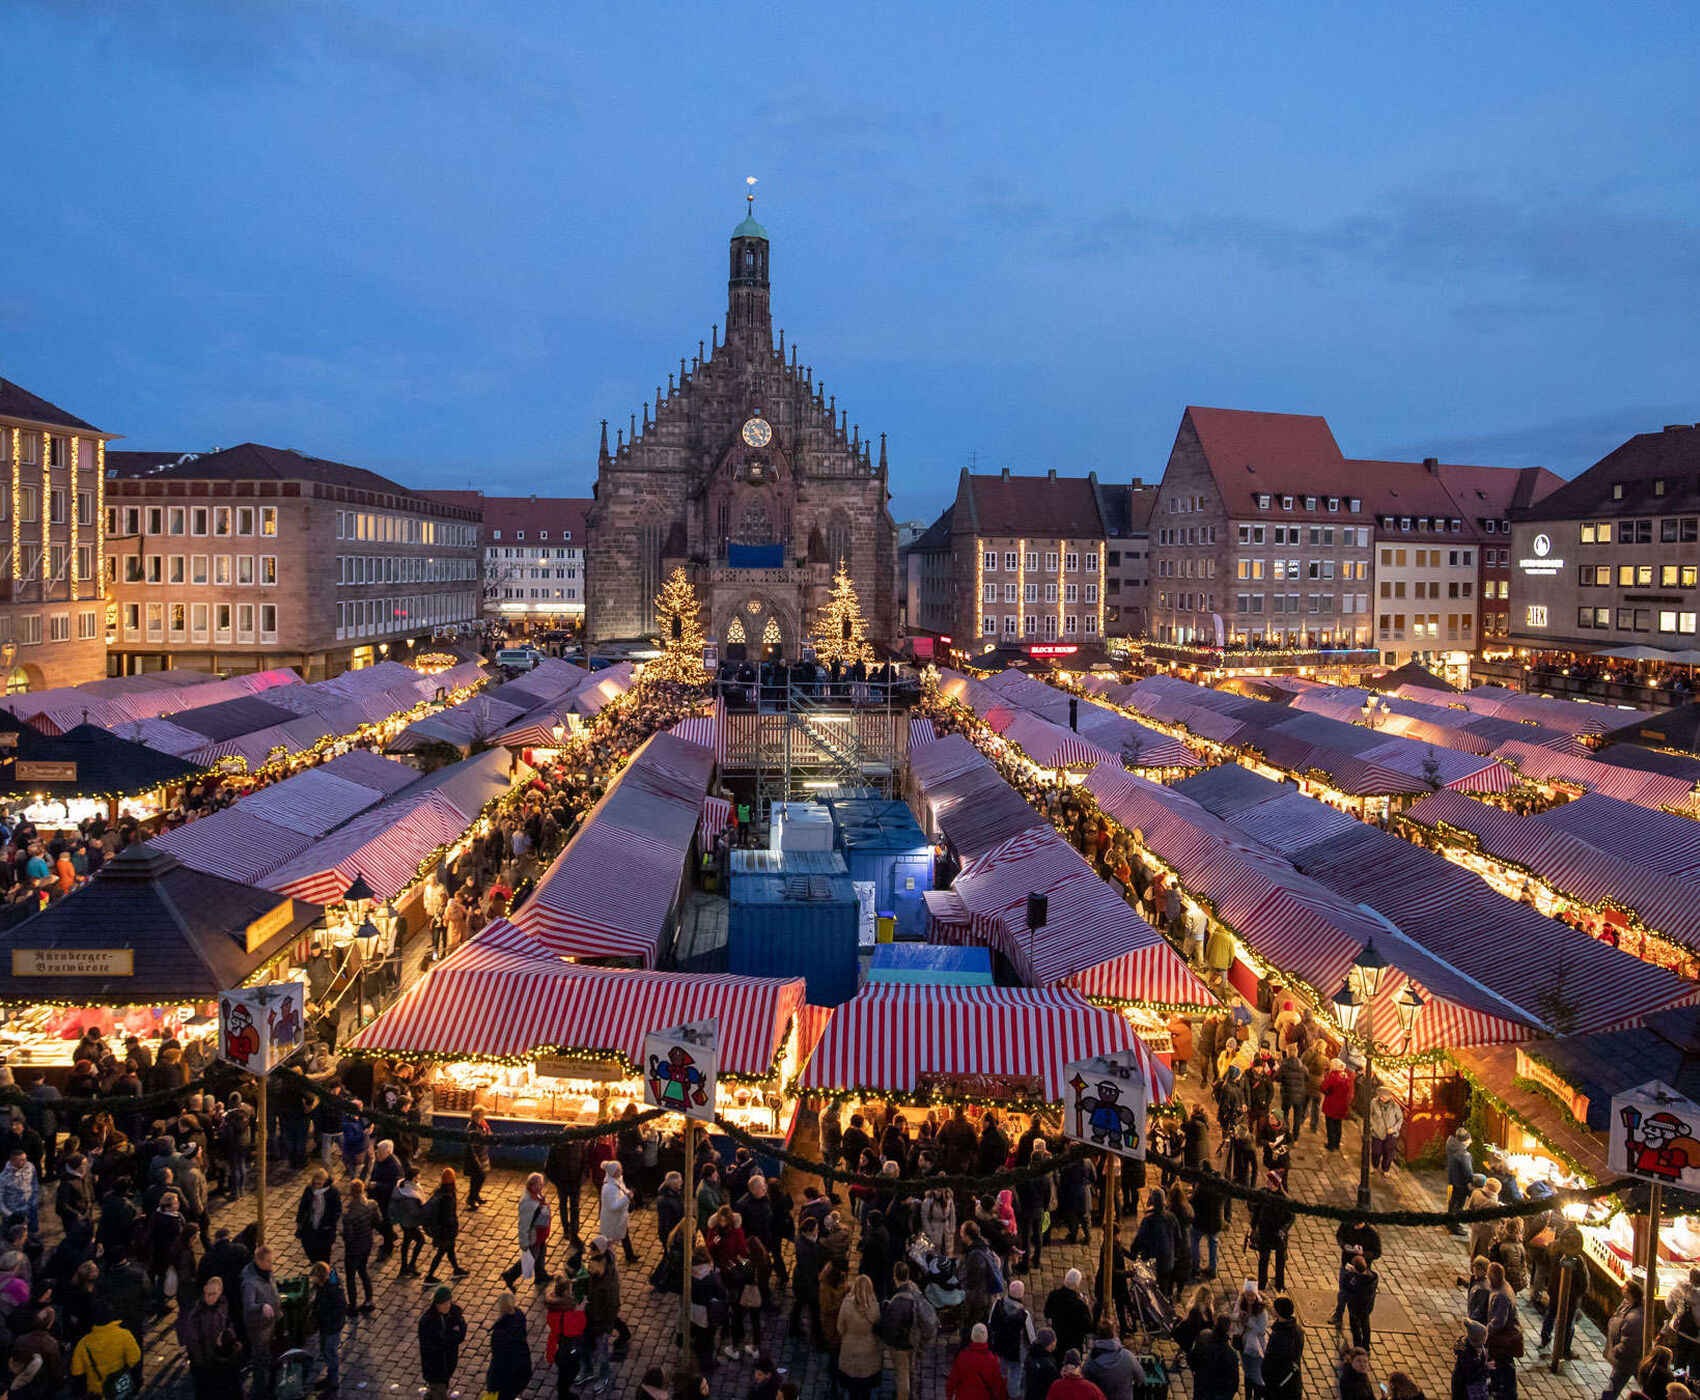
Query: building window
x=197 y=520
x=1050 y=561
x=221 y=570
x=1071 y=562
x=59 y=627
x=176 y=573
x=990 y=563
x=268 y=569
x=268 y=521
x=988 y=626
x=268 y=622
x=197 y=622
x=221 y=520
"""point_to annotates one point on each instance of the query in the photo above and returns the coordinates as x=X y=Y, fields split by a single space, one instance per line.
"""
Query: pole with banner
x=1105 y=1104
x=680 y=1067
x=258 y=1029
x=1654 y=1137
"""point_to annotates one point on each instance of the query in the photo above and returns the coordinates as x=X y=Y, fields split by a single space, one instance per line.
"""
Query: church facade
x=750 y=477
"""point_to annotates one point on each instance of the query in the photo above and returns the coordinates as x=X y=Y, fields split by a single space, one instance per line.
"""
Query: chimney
x=1006 y=473
x=1432 y=465
x=1676 y=427
x=1138 y=484
x=1051 y=475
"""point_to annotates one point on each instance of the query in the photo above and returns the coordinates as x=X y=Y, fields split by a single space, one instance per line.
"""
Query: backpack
x=994 y=1275
x=353 y=1137
x=406 y=1211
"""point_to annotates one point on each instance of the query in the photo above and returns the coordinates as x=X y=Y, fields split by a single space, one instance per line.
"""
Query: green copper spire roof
x=749 y=228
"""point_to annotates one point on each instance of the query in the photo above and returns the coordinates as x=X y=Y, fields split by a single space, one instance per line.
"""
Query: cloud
x=1564 y=445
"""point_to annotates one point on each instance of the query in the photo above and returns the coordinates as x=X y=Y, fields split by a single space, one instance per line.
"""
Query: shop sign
x=261 y=1027
x=44 y=771
x=553 y=1067
x=9 y=739
x=1549 y=1079
x=680 y=1066
x=268 y=926
x=73 y=962
x=964 y=1084
x=1105 y=1100
x=1653 y=1135
x=1052 y=649
x=1542 y=564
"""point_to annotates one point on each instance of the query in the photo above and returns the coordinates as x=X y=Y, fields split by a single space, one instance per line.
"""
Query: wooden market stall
x=86 y=773
x=143 y=949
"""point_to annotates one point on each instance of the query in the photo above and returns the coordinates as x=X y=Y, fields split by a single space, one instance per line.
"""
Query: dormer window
x=542 y=534
x=1617 y=490
x=1286 y=503
x=1405 y=523
x=1357 y=505
x=495 y=534
x=519 y=534
x=1310 y=502
x=1263 y=500
x=1333 y=503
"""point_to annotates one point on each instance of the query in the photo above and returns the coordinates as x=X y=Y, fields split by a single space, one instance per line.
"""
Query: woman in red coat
x=1337 y=1089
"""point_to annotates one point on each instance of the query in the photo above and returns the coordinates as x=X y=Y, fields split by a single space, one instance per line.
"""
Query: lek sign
x=1104 y=1103
x=1655 y=1135
x=261 y=1027
x=679 y=1069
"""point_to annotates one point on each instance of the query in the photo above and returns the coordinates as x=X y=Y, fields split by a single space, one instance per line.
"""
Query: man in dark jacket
x=124 y=1288
x=441 y=1331
x=1197 y=1135
x=1295 y=1084
x=1041 y=1368
x=1208 y=1200
x=1215 y=1365
x=1354 y=1237
x=1113 y=1368
x=1283 y=1376
x=564 y=1167
x=1459 y=1169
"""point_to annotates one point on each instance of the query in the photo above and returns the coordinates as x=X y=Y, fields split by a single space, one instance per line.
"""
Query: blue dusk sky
x=445 y=240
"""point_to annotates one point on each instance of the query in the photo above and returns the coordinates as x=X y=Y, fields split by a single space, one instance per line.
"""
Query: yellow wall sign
x=73 y=962
x=1576 y=1104
x=268 y=926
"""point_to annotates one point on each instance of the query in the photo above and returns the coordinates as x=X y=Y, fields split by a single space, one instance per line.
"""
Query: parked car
x=518 y=658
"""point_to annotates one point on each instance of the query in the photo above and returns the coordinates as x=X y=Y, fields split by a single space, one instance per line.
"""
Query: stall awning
x=914 y=1041
x=1052 y=746
x=87 y=761
x=233 y=845
x=708 y=730
x=500 y=996
x=477 y=720
x=716 y=817
x=312 y=802
x=386 y=845
x=921 y=733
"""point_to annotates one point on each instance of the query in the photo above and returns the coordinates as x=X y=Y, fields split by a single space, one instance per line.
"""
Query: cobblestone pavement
x=380 y=1353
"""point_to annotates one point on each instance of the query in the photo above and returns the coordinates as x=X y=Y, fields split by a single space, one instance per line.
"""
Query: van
x=518 y=658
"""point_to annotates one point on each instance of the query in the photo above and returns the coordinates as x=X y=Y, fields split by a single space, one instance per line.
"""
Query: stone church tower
x=750 y=477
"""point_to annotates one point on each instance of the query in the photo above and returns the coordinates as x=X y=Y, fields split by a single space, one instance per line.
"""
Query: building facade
x=1259 y=536
x=751 y=478
x=1486 y=497
x=534 y=562
x=929 y=582
x=52 y=584
x=258 y=557
x=1612 y=557
x=1126 y=511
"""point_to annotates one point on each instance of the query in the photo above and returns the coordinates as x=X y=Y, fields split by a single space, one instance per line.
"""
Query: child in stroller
x=935 y=1274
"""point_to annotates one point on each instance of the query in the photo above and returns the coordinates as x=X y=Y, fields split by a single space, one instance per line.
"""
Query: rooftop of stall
x=799 y=826
x=931 y=965
x=884 y=844
x=795 y=914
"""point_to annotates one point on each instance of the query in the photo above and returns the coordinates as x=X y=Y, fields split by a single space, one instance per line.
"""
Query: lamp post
x=1355 y=1003
x=367 y=939
x=1375 y=712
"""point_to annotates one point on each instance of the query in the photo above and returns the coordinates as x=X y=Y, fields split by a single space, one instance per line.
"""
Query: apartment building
x=1486 y=498
x=1612 y=557
x=52 y=585
x=929 y=589
x=1259 y=536
x=256 y=557
x=534 y=560
x=1126 y=511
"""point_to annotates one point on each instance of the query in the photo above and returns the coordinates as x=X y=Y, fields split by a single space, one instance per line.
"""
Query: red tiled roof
x=562 y=517
x=1402 y=488
x=1671 y=456
x=1280 y=453
x=1495 y=491
x=1053 y=507
x=17 y=402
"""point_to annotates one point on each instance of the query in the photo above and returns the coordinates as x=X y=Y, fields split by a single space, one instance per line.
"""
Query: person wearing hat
x=441 y=1331
x=1070 y=1384
x=1271 y=1220
x=1283 y=1376
x=1068 y=1314
x=1042 y=1369
x=1337 y=1090
x=1459 y=1169
x=975 y=1374
x=1470 y=1366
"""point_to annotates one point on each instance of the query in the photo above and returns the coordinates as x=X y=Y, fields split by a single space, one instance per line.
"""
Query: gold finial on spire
x=750 y=198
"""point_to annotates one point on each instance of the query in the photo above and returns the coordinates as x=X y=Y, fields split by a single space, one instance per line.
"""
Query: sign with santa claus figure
x=261 y=1027
x=680 y=1066
x=1105 y=1101
x=1655 y=1135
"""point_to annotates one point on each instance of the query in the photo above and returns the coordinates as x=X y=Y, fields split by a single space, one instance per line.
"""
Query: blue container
x=794 y=914
x=931 y=965
x=884 y=844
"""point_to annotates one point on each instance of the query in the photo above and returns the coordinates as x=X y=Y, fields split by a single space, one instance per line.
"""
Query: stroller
x=935 y=1275
x=1153 y=1313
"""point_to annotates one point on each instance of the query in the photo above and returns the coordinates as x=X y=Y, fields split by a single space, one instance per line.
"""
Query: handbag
x=749 y=1297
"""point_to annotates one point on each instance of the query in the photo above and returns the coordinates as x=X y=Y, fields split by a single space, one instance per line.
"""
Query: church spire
x=749 y=324
x=602 y=456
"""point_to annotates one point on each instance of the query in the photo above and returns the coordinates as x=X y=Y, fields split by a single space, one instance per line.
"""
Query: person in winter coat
x=1338 y=1086
x=533 y=1234
x=1271 y=1222
x=1505 y=1333
x=330 y=1316
x=360 y=1219
x=564 y=1168
x=1208 y=1202
x=805 y=1280
x=441 y=1331
x=1471 y=1368
x=261 y=1308
x=1354 y=1375
x=510 y=1352
x=1069 y=1314
x=1358 y=1286
x=669 y=1207
x=938 y=1220
x=441 y=1220
x=1009 y=1332
x=981 y=1276
x=1512 y=1255
x=1215 y=1365
x=1295 y=1085
x=209 y=1341
x=1113 y=1368
x=103 y=1353
x=613 y=1223
x=1043 y=1367
x=1182 y=1039
x=1283 y=1374
x=317 y=1216
x=387 y=1171
x=1074 y=1198
x=1459 y=1169
x=1386 y=1122
x=861 y=1357
x=1157 y=1238
x=1485 y=1196
x=975 y=1373
x=1623 y=1340
x=908 y=1322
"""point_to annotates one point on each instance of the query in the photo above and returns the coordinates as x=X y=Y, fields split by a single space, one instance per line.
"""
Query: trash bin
x=295 y=1323
x=885 y=927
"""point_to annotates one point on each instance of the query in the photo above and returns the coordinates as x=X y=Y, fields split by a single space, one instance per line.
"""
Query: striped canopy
x=1051 y=745
x=502 y=995
x=716 y=817
x=921 y=732
x=234 y=845
x=1543 y=765
x=708 y=730
x=890 y=1037
x=386 y=845
x=312 y=802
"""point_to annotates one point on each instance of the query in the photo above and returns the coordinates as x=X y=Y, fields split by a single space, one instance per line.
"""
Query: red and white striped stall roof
x=385 y=845
x=1052 y=746
x=921 y=733
x=716 y=817
x=487 y=1000
x=234 y=845
x=1661 y=841
x=611 y=892
x=1496 y=777
x=371 y=770
x=312 y=802
x=889 y=1038
x=708 y=730
x=1540 y=764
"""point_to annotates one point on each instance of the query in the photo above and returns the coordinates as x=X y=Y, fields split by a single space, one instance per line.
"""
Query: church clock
x=757 y=433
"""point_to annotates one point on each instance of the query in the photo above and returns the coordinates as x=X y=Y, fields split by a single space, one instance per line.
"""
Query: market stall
x=536 y=1040
x=143 y=949
x=913 y=1047
x=85 y=773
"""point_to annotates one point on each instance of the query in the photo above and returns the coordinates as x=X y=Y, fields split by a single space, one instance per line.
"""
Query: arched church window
x=838 y=541
x=649 y=570
x=770 y=633
x=735 y=633
x=755 y=526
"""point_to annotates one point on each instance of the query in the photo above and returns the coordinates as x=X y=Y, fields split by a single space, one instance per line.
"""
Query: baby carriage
x=935 y=1274
x=1153 y=1314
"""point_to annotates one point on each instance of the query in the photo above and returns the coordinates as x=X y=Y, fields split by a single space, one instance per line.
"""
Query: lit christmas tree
x=676 y=611
x=840 y=629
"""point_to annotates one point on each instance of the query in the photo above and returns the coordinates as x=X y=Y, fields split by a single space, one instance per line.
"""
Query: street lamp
x=367 y=938
x=1375 y=712
x=559 y=731
x=1354 y=1004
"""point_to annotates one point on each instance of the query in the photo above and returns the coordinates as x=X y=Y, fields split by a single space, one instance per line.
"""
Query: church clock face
x=757 y=433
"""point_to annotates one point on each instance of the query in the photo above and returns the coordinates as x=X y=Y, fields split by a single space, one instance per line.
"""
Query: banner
x=1105 y=1102
x=680 y=1066
x=1654 y=1135
x=261 y=1027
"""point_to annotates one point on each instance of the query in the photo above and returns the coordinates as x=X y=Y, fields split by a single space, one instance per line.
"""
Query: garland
x=1500 y=1104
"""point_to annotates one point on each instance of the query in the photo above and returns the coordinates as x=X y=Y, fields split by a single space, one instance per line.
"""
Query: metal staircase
x=809 y=743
